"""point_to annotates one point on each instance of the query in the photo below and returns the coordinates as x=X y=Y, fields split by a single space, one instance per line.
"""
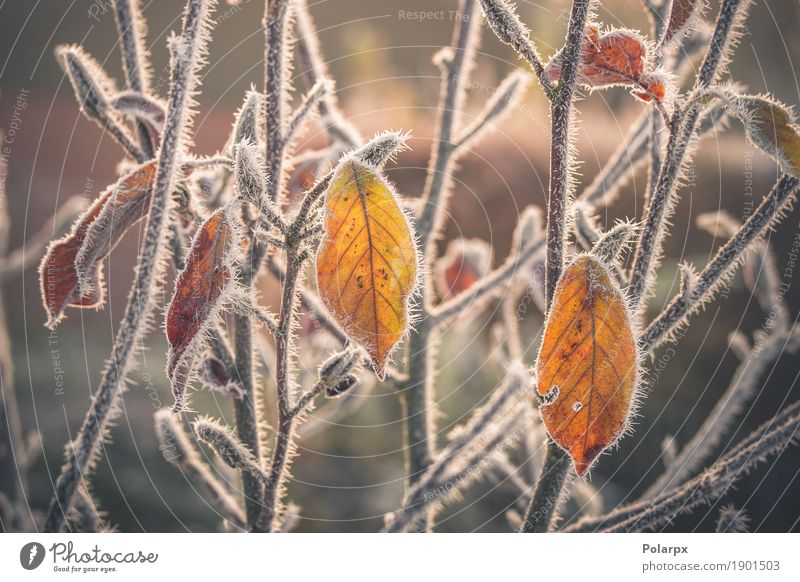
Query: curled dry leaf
x=588 y=363
x=463 y=265
x=770 y=125
x=617 y=57
x=367 y=262
x=57 y=276
x=148 y=111
x=680 y=15
x=67 y=281
x=216 y=377
x=200 y=290
x=128 y=203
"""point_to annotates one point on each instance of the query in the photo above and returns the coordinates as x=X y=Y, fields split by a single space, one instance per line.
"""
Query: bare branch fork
x=770 y=440
x=682 y=129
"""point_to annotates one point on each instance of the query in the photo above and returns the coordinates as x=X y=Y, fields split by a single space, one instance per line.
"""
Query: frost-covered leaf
x=128 y=203
x=771 y=126
x=367 y=262
x=588 y=364
x=200 y=288
x=70 y=274
x=680 y=16
x=616 y=57
x=57 y=276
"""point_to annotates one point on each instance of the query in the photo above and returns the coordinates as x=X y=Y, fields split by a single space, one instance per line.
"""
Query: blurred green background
x=349 y=476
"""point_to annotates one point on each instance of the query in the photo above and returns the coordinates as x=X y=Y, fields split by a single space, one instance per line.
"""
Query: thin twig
x=415 y=393
x=448 y=479
x=675 y=315
x=705 y=443
x=682 y=131
x=301 y=115
x=178 y=450
x=772 y=438
x=131 y=31
x=510 y=30
x=344 y=133
x=283 y=441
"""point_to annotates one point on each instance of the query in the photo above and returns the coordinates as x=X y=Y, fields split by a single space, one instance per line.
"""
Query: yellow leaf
x=367 y=261
x=588 y=363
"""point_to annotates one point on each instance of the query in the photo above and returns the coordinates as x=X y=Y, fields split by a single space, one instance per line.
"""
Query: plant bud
x=346 y=383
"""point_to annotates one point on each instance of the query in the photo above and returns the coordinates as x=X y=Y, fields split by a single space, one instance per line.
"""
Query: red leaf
x=618 y=57
x=200 y=286
x=58 y=273
x=128 y=203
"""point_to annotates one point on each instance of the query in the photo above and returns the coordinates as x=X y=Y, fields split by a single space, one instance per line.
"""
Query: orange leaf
x=617 y=57
x=367 y=263
x=680 y=13
x=651 y=87
x=199 y=288
x=58 y=274
x=588 y=363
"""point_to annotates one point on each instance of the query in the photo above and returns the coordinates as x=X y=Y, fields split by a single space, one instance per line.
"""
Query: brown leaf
x=200 y=287
x=128 y=203
x=617 y=57
x=588 y=363
x=216 y=377
x=367 y=263
x=680 y=13
x=58 y=274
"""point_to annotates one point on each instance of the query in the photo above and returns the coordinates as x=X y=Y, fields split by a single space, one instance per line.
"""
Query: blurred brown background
x=380 y=56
